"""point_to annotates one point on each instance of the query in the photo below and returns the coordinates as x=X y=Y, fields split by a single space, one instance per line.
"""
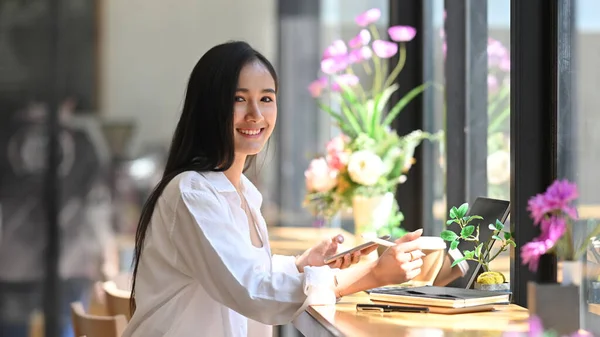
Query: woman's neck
x=234 y=173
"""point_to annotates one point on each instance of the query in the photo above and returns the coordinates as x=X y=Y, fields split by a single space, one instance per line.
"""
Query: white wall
x=149 y=47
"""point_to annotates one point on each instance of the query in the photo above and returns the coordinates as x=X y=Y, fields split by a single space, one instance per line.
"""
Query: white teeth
x=250 y=132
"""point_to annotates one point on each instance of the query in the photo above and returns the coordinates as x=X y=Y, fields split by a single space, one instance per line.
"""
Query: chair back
x=117 y=300
x=96 y=326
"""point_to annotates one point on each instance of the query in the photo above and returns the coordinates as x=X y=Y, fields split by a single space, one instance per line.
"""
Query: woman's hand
x=316 y=255
x=402 y=262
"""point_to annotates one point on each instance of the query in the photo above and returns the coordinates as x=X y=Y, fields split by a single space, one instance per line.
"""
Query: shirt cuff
x=319 y=285
x=455 y=254
x=285 y=264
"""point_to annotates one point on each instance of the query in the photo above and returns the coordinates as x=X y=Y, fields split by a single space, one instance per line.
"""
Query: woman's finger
x=335 y=264
x=347 y=261
x=369 y=250
x=356 y=257
x=412 y=274
x=412 y=265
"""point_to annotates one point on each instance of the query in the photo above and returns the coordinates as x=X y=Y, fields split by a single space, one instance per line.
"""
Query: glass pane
x=579 y=43
x=498 y=162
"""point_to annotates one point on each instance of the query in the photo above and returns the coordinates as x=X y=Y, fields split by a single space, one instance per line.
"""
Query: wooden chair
x=117 y=300
x=96 y=326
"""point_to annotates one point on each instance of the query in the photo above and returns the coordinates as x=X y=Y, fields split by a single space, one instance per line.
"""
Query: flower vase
x=571 y=273
x=542 y=299
x=370 y=214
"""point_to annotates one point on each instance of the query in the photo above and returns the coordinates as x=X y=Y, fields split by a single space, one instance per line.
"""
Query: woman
x=203 y=266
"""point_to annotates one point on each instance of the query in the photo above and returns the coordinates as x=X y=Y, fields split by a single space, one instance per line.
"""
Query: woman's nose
x=254 y=114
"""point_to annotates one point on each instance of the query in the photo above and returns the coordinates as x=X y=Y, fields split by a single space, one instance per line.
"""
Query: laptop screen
x=490 y=210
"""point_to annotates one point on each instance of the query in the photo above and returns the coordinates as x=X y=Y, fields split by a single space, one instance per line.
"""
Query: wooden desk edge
x=310 y=318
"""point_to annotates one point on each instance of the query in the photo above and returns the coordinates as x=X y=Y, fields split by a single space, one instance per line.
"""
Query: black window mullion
x=466 y=100
x=410 y=194
x=533 y=127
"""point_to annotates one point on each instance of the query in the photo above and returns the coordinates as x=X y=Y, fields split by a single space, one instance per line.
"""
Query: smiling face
x=254 y=110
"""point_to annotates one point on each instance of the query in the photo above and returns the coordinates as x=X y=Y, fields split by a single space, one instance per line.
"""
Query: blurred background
x=90 y=92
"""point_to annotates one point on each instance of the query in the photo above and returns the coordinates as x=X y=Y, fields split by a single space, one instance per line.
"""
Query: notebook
x=433 y=296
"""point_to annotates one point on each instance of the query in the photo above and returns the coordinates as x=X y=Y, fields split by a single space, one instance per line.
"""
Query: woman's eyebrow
x=267 y=90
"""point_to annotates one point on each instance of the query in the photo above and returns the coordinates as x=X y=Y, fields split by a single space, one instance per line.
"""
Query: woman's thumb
x=410 y=236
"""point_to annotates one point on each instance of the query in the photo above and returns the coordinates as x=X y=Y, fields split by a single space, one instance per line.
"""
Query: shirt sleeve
x=284 y=264
x=218 y=253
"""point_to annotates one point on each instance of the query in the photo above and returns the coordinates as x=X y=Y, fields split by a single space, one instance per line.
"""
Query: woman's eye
x=239 y=98
x=267 y=99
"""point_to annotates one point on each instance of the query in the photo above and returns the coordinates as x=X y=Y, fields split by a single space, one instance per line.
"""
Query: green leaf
x=346 y=128
x=469 y=254
x=458 y=261
x=496 y=237
x=507 y=235
x=353 y=104
x=475 y=217
x=453 y=213
x=449 y=222
x=499 y=225
x=462 y=210
x=379 y=105
x=466 y=231
x=478 y=250
x=351 y=119
x=448 y=235
x=403 y=102
x=511 y=242
x=454 y=244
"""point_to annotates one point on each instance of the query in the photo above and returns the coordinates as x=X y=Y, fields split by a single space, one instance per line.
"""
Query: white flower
x=498 y=167
x=319 y=176
x=365 y=167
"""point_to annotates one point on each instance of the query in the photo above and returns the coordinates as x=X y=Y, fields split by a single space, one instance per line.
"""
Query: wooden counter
x=295 y=240
x=343 y=320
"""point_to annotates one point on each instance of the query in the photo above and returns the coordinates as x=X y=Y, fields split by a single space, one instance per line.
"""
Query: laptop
x=489 y=210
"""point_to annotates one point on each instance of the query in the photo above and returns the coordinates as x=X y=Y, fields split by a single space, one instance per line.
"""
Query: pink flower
x=359 y=55
x=337 y=156
x=538 y=208
x=402 y=33
x=496 y=52
x=334 y=64
x=505 y=64
x=384 y=49
x=316 y=87
x=368 y=17
x=360 y=40
x=492 y=83
x=344 y=80
x=337 y=144
x=531 y=253
x=336 y=49
x=319 y=176
x=552 y=230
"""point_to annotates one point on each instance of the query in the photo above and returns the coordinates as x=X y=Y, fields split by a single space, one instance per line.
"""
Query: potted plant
x=556 y=215
x=488 y=280
x=368 y=160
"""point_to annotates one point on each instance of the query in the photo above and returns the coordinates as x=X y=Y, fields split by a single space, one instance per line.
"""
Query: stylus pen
x=379 y=241
x=389 y=308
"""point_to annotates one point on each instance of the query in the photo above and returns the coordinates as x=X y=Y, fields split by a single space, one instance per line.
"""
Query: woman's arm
x=218 y=253
x=398 y=264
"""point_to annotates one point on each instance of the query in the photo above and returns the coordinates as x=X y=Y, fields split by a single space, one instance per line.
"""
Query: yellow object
x=491 y=277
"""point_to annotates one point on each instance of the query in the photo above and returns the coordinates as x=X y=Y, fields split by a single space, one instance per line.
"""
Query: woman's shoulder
x=189 y=182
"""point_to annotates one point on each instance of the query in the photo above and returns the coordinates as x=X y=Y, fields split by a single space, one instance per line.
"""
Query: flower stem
x=376 y=63
x=398 y=68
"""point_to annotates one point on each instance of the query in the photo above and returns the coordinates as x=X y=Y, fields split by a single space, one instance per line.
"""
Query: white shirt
x=200 y=275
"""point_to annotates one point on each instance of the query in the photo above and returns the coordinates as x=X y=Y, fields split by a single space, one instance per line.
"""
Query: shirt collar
x=223 y=185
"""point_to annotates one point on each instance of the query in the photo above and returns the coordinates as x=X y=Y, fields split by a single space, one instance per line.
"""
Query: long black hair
x=203 y=139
